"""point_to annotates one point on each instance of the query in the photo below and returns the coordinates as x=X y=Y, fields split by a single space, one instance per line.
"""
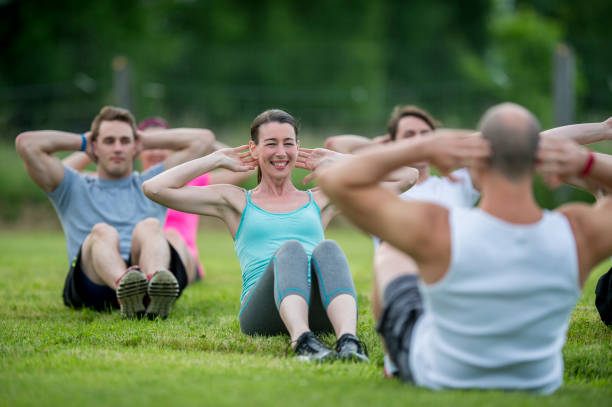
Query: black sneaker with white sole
x=131 y=289
x=309 y=348
x=349 y=347
x=163 y=290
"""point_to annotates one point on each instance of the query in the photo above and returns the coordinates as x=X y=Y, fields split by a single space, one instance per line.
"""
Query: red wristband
x=589 y=165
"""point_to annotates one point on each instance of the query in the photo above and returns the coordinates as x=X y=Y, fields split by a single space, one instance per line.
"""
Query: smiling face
x=276 y=149
x=115 y=148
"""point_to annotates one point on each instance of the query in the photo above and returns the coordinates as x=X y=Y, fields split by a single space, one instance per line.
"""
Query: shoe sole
x=330 y=357
x=130 y=292
x=354 y=357
x=163 y=291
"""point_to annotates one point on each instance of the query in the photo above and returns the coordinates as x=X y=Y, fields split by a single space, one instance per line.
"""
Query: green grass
x=52 y=355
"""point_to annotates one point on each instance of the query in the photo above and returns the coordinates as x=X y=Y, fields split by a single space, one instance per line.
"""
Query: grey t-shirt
x=81 y=201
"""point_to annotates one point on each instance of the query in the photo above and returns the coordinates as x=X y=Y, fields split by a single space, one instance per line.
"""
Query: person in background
x=293 y=280
x=489 y=302
x=181 y=228
x=117 y=249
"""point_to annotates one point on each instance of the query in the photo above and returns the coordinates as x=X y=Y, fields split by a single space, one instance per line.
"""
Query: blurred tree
x=586 y=28
x=517 y=64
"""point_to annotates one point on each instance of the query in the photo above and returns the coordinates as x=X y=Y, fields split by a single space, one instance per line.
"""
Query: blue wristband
x=83 y=142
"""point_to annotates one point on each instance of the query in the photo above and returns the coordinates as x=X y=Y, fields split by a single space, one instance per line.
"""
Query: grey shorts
x=402 y=308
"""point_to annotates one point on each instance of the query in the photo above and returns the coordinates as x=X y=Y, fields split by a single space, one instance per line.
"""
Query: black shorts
x=80 y=291
x=402 y=308
x=603 y=297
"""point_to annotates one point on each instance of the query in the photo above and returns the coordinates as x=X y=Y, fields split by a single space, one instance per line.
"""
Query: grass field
x=53 y=356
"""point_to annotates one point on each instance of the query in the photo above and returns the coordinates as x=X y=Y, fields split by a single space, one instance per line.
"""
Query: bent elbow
x=23 y=142
x=150 y=190
x=206 y=139
x=329 y=183
x=329 y=143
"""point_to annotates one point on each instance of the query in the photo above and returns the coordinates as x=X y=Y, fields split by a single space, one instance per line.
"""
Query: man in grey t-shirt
x=108 y=222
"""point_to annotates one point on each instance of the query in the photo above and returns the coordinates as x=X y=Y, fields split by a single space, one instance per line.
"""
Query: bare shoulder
x=319 y=196
x=586 y=218
x=328 y=210
x=592 y=228
x=321 y=199
x=235 y=196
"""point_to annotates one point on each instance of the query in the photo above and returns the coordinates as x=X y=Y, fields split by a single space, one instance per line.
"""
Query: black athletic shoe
x=349 y=347
x=309 y=348
x=163 y=290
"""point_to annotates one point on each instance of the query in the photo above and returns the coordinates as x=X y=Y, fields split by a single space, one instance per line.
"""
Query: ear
x=253 y=149
x=92 y=151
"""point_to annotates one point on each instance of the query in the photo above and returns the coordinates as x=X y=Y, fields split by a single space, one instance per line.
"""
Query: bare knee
x=389 y=264
x=148 y=227
x=103 y=232
x=174 y=236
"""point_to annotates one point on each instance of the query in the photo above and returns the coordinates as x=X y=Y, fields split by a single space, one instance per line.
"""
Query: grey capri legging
x=287 y=274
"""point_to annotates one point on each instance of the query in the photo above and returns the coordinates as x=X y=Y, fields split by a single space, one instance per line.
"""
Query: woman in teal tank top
x=294 y=281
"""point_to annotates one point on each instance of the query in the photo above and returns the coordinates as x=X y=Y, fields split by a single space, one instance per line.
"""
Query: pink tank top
x=187 y=223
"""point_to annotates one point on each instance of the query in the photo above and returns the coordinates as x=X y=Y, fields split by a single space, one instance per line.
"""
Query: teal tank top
x=261 y=233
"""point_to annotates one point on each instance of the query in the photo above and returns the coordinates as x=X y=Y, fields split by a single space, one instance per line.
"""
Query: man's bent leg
x=397 y=306
x=337 y=292
x=153 y=253
x=176 y=240
x=79 y=291
x=389 y=264
x=100 y=258
x=102 y=265
x=149 y=247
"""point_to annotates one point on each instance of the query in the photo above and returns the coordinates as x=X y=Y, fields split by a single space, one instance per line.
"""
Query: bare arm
x=77 y=161
x=401 y=179
x=562 y=160
x=230 y=177
x=223 y=201
x=353 y=185
x=347 y=143
x=186 y=144
x=592 y=227
x=397 y=181
x=584 y=133
x=36 y=148
x=217 y=145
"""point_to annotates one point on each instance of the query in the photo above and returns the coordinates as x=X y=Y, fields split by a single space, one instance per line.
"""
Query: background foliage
x=339 y=65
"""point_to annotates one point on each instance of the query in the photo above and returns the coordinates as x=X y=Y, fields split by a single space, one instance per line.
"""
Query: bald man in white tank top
x=495 y=294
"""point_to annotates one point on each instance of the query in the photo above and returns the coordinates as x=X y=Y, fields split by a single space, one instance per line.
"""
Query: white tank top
x=443 y=191
x=499 y=316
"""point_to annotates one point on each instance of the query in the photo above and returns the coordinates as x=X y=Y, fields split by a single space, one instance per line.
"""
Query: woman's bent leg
x=336 y=289
x=279 y=301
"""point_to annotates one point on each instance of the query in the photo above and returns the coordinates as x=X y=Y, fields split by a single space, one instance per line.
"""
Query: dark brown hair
x=271 y=116
x=111 y=113
x=402 y=111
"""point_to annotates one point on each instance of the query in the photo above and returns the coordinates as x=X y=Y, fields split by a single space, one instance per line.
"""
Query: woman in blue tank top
x=293 y=280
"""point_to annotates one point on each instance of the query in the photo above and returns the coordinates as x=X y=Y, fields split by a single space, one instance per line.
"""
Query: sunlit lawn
x=51 y=355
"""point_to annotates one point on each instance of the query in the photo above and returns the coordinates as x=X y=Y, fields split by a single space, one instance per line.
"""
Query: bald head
x=514 y=134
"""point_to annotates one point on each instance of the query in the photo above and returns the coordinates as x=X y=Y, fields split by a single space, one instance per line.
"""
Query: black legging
x=289 y=272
